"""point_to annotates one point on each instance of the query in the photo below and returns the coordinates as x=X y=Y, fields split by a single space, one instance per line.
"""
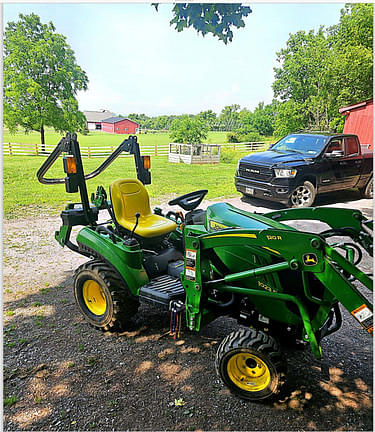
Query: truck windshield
x=304 y=144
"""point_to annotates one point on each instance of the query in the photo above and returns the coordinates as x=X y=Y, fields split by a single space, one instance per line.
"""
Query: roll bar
x=69 y=144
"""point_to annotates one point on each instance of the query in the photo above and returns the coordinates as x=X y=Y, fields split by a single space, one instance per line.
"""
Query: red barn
x=120 y=125
x=360 y=121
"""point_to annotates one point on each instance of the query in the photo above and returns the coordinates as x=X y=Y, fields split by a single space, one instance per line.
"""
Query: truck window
x=335 y=145
x=351 y=146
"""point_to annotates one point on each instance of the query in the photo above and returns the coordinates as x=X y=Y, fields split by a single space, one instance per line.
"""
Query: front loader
x=281 y=285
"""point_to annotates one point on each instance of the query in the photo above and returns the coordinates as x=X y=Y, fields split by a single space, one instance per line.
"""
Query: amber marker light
x=71 y=165
x=146 y=162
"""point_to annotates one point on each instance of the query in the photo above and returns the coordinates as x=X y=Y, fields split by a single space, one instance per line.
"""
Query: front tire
x=250 y=364
x=102 y=297
x=303 y=195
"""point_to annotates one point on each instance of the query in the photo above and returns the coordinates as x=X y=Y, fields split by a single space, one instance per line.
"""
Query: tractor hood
x=223 y=216
x=274 y=158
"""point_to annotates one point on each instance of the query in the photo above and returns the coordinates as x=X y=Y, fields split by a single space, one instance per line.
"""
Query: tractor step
x=161 y=290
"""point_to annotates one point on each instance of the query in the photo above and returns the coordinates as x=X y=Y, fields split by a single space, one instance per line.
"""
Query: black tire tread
x=125 y=305
x=256 y=340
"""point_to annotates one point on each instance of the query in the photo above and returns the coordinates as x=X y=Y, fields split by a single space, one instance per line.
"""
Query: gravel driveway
x=62 y=374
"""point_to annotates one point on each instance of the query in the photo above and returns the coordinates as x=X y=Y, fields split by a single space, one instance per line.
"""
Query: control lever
x=132 y=241
x=137 y=216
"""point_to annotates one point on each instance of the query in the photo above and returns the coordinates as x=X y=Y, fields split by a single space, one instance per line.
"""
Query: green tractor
x=280 y=284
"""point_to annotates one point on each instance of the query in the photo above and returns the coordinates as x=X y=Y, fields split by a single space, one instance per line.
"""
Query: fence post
x=10 y=149
x=252 y=146
x=88 y=152
x=234 y=146
x=156 y=150
x=111 y=149
x=36 y=149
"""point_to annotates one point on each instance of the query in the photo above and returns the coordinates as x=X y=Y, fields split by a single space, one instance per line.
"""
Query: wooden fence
x=17 y=149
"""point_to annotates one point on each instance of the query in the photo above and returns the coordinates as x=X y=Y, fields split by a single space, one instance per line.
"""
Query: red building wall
x=121 y=127
x=360 y=121
x=107 y=127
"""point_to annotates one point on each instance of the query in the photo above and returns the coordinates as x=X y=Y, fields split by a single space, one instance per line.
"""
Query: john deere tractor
x=280 y=284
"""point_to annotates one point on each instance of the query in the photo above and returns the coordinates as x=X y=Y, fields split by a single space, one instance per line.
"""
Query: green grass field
x=24 y=195
x=100 y=139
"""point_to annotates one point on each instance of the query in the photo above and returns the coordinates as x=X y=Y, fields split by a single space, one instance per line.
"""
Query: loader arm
x=297 y=251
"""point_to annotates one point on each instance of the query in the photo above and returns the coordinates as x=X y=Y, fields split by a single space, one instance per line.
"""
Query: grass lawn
x=24 y=194
x=100 y=139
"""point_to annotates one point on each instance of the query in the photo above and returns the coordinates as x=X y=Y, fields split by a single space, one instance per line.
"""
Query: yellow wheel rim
x=94 y=297
x=248 y=372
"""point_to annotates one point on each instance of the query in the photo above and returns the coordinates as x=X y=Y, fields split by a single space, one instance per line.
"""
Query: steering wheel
x=189 y=201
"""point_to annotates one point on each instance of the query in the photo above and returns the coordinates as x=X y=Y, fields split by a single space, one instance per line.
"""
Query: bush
x=228 y=155
x=233 y=137
x=251 y=137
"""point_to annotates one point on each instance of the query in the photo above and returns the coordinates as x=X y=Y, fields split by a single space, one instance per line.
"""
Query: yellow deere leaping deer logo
x=310 y=259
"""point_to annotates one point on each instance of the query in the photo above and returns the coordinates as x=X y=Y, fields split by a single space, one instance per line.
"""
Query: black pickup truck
x=301 y=165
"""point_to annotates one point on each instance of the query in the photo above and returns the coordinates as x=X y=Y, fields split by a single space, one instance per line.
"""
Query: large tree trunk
x=42 y=141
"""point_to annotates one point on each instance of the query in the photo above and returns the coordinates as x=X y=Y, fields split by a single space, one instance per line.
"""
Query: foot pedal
x=161 y=291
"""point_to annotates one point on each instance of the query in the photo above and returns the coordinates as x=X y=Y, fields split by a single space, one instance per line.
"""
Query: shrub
x=228 y=155
x=233 y=137
x=251 y=137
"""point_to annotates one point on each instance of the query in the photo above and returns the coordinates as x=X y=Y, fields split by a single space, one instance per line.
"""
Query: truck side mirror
x=335 y=154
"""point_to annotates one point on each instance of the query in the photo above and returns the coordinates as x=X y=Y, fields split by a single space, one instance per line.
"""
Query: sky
x=137 y=63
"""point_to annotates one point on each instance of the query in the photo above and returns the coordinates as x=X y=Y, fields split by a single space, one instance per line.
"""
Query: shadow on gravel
x=321 y=200
x=65 y=375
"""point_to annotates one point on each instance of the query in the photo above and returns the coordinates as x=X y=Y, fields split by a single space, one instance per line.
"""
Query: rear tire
x=250 y=364
x=367 y=191
x=102 y=297
x=303 y=195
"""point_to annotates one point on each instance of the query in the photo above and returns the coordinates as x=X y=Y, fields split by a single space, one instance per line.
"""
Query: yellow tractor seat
x=129 y=197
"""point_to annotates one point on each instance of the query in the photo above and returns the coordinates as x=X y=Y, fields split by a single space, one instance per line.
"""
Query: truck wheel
x=102 y=297
x=303 y=195
x=250 y=363
x=367 y=191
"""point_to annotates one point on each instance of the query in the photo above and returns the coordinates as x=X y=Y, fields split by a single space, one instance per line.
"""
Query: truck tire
x=303 y=195
x=367 y=191
x=102 y=297
x=250 y=364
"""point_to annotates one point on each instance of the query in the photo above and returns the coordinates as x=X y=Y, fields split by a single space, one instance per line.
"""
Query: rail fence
x=18 y=149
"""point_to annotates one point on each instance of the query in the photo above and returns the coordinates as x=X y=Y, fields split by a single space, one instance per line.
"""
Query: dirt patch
x=62 y=374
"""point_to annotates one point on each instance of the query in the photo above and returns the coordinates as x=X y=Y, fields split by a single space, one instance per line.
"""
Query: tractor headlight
x=285 y=173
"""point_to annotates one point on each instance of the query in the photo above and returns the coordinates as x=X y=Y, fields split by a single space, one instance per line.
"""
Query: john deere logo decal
x=310 y=259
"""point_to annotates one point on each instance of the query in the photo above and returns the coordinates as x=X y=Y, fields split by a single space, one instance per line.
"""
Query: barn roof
x=97 y=116
x=117 y=119
x=355 y=106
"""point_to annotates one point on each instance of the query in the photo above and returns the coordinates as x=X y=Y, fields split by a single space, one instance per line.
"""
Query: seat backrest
x=129 y=197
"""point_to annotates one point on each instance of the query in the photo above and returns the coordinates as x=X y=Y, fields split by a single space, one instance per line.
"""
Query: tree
x=209 y=118
x=188 y=130
x=41 y=78
x=229 y=116
x=215 y=18
x=323 y=71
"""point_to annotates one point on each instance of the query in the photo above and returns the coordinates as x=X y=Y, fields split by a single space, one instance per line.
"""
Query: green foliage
x=229 y=155
x=229 y=117
x=233 y=137
x=214 y=18
x=209 y=118
x=322 y=71
x=9 y=401
x=251 y=137
x=41 y=78
x=188 y=130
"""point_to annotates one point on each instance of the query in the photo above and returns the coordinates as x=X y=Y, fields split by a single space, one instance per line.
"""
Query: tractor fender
x=127 y=260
